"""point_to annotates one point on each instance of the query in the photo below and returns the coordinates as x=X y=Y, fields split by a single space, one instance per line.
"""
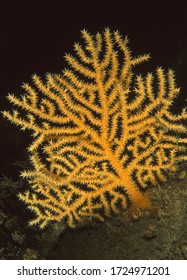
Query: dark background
x=34 y=36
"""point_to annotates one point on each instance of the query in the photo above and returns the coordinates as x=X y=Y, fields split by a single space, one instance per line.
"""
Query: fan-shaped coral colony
x=101 y=134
